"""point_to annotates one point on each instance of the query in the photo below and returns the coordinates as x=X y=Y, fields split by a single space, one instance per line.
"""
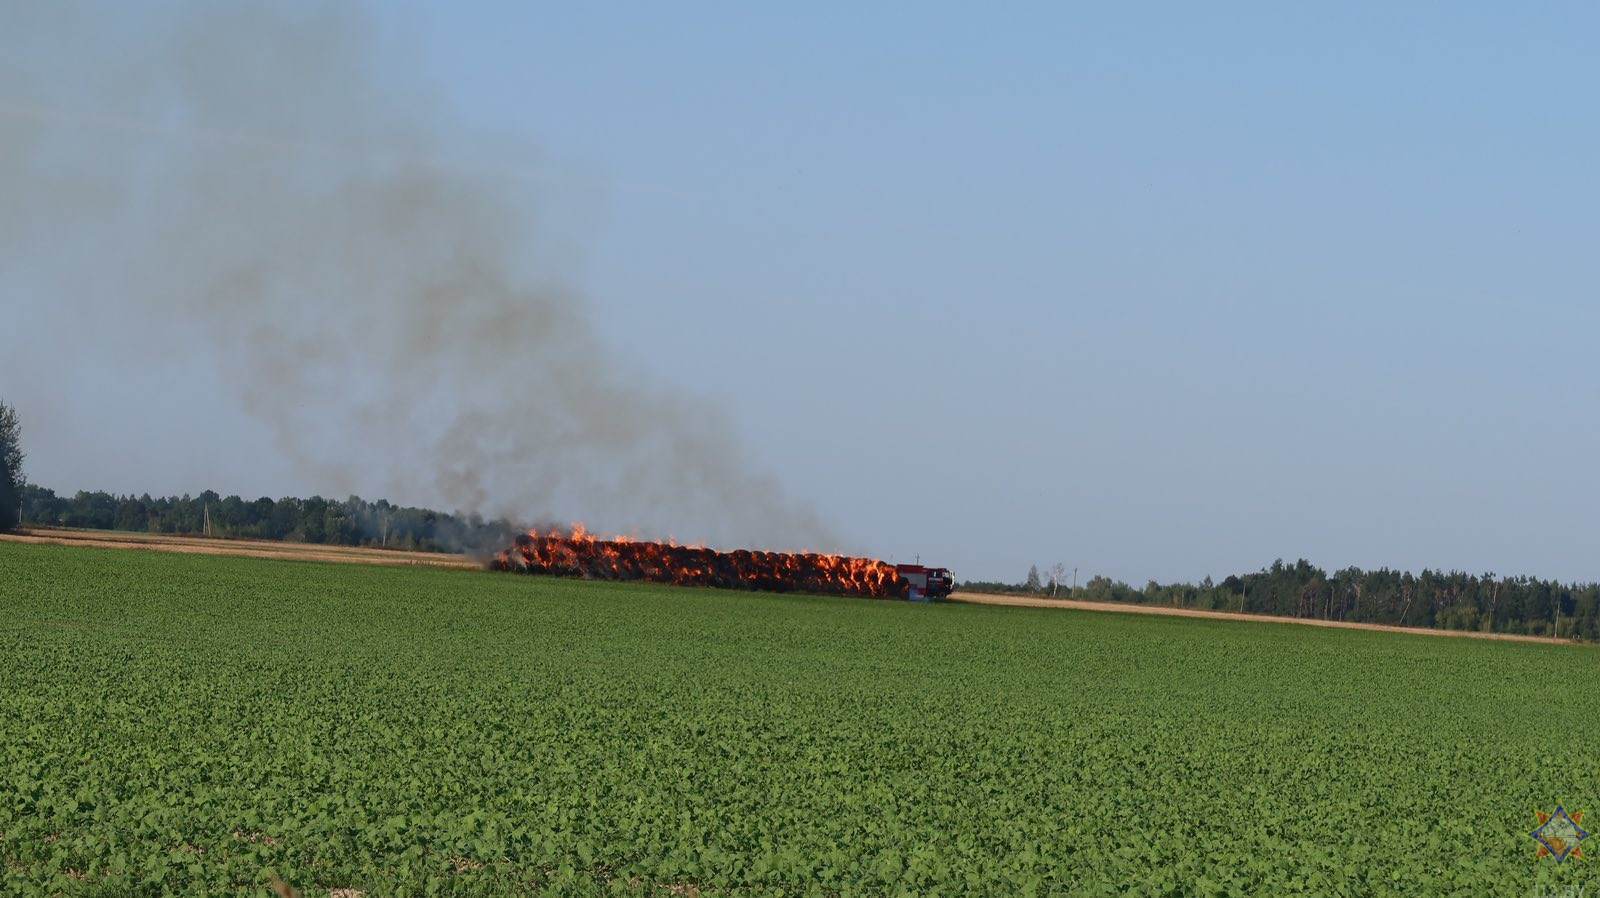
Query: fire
x=579 y=553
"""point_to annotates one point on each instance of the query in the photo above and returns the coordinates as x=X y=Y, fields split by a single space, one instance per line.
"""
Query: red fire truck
x=927 y=583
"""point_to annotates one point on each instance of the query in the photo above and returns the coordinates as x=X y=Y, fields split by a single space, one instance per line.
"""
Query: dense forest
x=1450 y=601
x=346 y=522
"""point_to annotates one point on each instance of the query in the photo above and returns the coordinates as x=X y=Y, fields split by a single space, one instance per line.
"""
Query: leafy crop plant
x=185 y=725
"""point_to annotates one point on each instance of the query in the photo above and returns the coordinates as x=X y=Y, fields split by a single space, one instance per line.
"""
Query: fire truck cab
x=927 y=583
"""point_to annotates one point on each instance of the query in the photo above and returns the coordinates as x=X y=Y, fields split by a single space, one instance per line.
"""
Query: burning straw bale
x=578 y=553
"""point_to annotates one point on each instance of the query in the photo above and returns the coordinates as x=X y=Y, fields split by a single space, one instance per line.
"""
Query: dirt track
x=976 y=598
x=251 y=548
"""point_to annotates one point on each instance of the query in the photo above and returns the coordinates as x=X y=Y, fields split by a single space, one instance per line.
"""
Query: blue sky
x=1153 y=291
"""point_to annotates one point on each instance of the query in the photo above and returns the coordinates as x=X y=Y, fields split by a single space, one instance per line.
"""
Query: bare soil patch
x=978 y=598
x=250 y=548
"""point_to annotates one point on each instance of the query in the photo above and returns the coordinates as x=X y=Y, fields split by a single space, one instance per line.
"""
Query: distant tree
x=1033 y=584
x=1058 y=574
x=41 y=506
x=10 y=468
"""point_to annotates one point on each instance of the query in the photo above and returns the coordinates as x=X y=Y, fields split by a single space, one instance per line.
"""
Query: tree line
x=345 y=522
x=1451 y=600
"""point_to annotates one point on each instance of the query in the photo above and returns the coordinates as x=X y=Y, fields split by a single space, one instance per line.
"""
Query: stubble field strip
x=1021 y=601
x=245 y=548
x=199 y=724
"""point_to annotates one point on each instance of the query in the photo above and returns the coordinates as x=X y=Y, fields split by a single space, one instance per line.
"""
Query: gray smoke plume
x=389 y=313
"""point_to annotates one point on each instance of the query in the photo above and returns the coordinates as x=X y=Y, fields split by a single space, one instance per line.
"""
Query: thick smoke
x=393 y=316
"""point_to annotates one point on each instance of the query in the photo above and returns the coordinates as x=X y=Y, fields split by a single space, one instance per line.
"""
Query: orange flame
x=579 y=553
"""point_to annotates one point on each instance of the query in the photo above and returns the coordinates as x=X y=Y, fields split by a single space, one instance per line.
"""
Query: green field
x=195 y=725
